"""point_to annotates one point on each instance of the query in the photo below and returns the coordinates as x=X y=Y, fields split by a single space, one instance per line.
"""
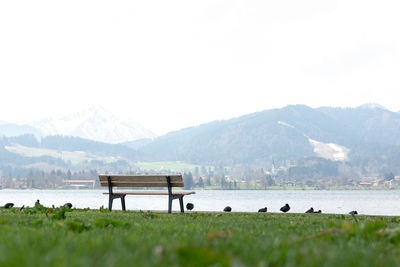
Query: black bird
x=319 y=211
x=353 y=212
x=263 y=210
x=227 y=209
x=285 y=208
x=37 y=203
x=8 y=205
x=68 y=205
x=311 y=210
x=189 y=206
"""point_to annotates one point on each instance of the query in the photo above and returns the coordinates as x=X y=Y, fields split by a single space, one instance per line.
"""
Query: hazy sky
x=172 y=64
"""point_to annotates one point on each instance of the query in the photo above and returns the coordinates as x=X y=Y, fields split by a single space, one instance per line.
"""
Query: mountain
x=368 y=125
x=72 y=144
x=12 y=129
x=278 y=133
x=96 y=124
x=373 y=106
x=362 y=136
x=20 y=154
x=137 y=144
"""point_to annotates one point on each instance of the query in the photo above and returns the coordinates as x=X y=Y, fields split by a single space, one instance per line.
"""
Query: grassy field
x=60 y=237
x=75 y=157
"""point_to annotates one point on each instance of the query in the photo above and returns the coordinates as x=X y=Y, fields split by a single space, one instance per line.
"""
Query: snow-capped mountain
x=97 y=124
x=373 y=106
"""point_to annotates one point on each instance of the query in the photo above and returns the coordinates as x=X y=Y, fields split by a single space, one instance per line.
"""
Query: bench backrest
x=152 y=180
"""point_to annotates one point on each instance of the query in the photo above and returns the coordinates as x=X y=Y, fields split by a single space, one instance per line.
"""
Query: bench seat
x=155 y=193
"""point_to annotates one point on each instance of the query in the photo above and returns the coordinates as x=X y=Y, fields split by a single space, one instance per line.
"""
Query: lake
x=371 y=202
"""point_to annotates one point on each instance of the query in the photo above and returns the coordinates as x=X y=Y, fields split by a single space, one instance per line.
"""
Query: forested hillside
x=22 y=154
x=371 y=135
x=368 y=125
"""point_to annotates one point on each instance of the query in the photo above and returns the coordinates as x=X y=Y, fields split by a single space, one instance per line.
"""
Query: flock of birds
x=286 y=208
x=190 y=206
x=37 y=204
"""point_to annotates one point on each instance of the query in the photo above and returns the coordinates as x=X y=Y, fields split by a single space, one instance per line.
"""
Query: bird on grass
x=311 y=210
x=37 y=203
x=189 y=206
x=285 y=208
x=319 y=211
x=8 y=205
x=263 y=210
x=68 y=205
x=353 y=214
x=227 y=209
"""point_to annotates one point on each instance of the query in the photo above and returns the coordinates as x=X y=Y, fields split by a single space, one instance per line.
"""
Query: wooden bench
x=154 y=180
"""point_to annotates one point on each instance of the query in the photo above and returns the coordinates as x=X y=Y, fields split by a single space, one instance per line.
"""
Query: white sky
x=173 y=64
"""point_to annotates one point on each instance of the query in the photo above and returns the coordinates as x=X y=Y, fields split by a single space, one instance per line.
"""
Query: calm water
x=380 y=202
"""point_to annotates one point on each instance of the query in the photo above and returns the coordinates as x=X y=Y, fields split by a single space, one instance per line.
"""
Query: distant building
x=388 y=183
x=80 y=183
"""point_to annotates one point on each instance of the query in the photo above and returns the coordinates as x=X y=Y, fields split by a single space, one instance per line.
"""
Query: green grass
x=61 y=237
x=75 y=157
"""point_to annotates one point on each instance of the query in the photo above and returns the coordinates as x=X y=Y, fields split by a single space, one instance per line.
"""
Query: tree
x=270 y=180
x=388 y=176
x=223 y=181
x=200 y=183
x=204 y=170
x=69 y=174
x=188 y=180
x=208 y=181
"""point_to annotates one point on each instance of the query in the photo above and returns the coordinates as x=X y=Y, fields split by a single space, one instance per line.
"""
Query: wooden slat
x=142 y=184
x=141 y=178
x=153 y=180
x=163 y=193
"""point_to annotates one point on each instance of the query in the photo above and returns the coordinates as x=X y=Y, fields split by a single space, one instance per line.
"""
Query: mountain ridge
x=367 y=136
x=95 y=123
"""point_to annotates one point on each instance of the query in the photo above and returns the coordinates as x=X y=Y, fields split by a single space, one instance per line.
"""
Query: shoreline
x=219 y=189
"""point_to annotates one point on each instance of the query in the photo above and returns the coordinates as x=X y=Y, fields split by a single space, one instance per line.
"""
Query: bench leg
x=123 y=202
x=110 y=202
x=181 y=203
x=169 y=204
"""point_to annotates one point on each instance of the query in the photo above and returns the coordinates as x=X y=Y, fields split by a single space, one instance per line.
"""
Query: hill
x=364 y=136
x=19 y=155
x=369 y=125
x=278 y=133
x=12 y=129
